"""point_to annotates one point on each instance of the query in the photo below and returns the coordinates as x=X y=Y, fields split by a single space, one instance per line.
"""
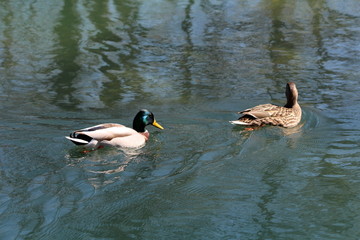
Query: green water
x=68 y=64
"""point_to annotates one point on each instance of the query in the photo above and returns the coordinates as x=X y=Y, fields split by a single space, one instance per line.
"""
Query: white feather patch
x=110 y=133
x=237 y=122
x=77 y=140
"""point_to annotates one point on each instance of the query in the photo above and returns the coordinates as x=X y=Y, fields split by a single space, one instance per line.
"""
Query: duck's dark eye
x=146 y=119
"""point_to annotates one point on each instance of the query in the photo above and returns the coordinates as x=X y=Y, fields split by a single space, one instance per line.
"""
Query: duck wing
x=262 y=111
x=106 y=131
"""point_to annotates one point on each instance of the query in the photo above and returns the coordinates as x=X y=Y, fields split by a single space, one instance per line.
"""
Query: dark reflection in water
x=71 y=64
x=68 y=47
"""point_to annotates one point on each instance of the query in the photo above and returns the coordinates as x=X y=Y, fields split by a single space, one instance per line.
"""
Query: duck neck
x=291 y=97
x=146 y=134
x=291 y=94
x=138 y=126
x=291 y=102
x=138 y=123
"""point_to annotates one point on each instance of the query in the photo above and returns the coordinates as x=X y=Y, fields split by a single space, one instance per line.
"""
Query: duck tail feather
x=77 y=141
x=238 y=122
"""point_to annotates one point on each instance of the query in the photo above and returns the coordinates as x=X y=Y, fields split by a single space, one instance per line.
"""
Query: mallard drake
x=117 y=135
x=269 y=114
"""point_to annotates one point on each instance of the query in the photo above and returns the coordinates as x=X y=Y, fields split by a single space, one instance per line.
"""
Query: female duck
x=117 y=135
x=268 y=114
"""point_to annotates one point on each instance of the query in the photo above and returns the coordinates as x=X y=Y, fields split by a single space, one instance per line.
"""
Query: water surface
x=71 y=64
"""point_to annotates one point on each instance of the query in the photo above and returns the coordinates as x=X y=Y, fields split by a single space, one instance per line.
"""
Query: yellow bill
x=157 y=125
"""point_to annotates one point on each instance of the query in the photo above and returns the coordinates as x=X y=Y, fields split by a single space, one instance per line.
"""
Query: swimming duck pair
x=117 y=135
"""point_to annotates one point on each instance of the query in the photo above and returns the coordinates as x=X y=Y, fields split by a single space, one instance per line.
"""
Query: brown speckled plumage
x=269 y=114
